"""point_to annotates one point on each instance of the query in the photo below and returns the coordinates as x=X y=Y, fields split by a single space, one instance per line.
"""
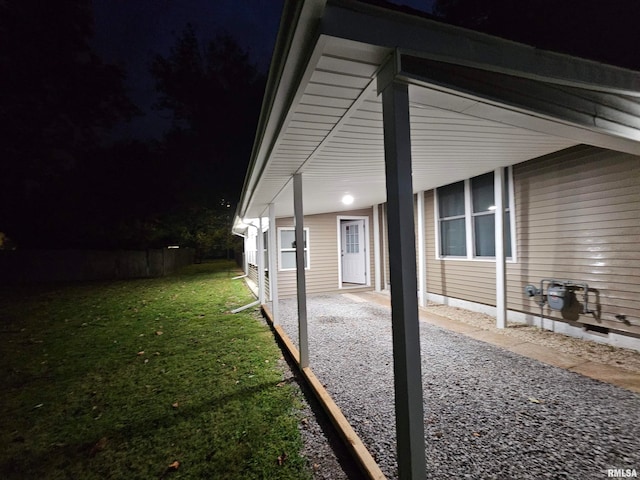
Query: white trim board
x=556 y=326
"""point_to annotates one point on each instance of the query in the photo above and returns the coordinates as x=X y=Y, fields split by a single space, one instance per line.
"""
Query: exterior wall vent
x=597 y=329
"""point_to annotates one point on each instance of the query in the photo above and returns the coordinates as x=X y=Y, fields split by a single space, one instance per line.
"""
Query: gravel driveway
x=489 y=413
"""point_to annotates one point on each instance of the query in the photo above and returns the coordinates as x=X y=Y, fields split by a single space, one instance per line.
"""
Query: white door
x=353 y=251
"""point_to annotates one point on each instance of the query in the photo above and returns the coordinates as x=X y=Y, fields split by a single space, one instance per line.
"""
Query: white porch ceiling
x=334 y=137
x=476 y=103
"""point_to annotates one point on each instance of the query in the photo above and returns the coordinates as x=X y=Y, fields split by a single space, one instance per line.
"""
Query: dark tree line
x=65 y=183
x=57 y=98
x=214 y=94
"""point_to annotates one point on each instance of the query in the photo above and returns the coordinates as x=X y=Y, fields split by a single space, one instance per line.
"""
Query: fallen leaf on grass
x=175 y=405
x=174 y=466
x=141 y=352
x=282 y=458
x=281 y=384
x=159 y=332
x=98 y=447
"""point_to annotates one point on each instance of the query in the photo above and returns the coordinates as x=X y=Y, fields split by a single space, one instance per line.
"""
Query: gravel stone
x=325 y=452
x=488 y=413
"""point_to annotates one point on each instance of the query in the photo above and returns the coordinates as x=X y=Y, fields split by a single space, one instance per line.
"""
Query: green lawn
x=122 y=379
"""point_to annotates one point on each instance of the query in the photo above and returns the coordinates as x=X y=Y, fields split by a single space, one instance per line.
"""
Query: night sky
x=130 y=33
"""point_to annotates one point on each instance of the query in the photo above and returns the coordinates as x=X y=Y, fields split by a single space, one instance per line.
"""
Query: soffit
x=334 y=136
x=332 y=131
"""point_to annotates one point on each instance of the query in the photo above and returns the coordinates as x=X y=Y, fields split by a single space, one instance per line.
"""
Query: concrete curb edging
x=339 y=421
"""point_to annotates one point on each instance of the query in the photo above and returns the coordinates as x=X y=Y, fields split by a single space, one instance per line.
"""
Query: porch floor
x=494 y=406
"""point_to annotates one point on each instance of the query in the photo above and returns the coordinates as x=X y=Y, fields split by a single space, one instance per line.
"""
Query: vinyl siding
x=383 y=263
x=385 y=230
x=253 y=273
x=470 y=280
x=577 y=218
x=322 y=276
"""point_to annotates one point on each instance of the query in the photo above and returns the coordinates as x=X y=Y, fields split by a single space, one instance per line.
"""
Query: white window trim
x=468 y=220
x=307 y=249
x=437 y=220
x=469 y=232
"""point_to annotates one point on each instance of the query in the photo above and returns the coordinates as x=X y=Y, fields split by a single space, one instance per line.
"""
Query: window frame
x=441 y=220
x=469 y=217
x=307 y=249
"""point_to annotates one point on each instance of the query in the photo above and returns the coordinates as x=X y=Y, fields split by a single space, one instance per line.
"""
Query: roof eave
x=296 y=38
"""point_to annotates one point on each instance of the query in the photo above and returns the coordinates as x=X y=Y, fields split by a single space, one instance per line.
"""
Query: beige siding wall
x=577 y=218
x=322 y=276
x=253 y=273
x=472 y=280
x=385 y=231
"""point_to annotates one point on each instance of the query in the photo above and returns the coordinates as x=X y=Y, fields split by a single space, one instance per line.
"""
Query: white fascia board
x=534 y=105
x=447 y=43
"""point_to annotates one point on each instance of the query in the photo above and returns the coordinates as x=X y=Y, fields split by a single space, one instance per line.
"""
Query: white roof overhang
x=476 y=103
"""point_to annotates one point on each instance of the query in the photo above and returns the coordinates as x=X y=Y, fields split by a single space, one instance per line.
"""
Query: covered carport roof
x=477 y=102
x=464 y=102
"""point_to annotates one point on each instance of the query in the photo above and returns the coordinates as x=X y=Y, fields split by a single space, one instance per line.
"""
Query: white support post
x=246 y=253
x=402 y=265
x=376 y=247
x=385 y=248
x=501 y=260
x=260 y=261
x=273 y=264
x=300 y=274
x=422 y=270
